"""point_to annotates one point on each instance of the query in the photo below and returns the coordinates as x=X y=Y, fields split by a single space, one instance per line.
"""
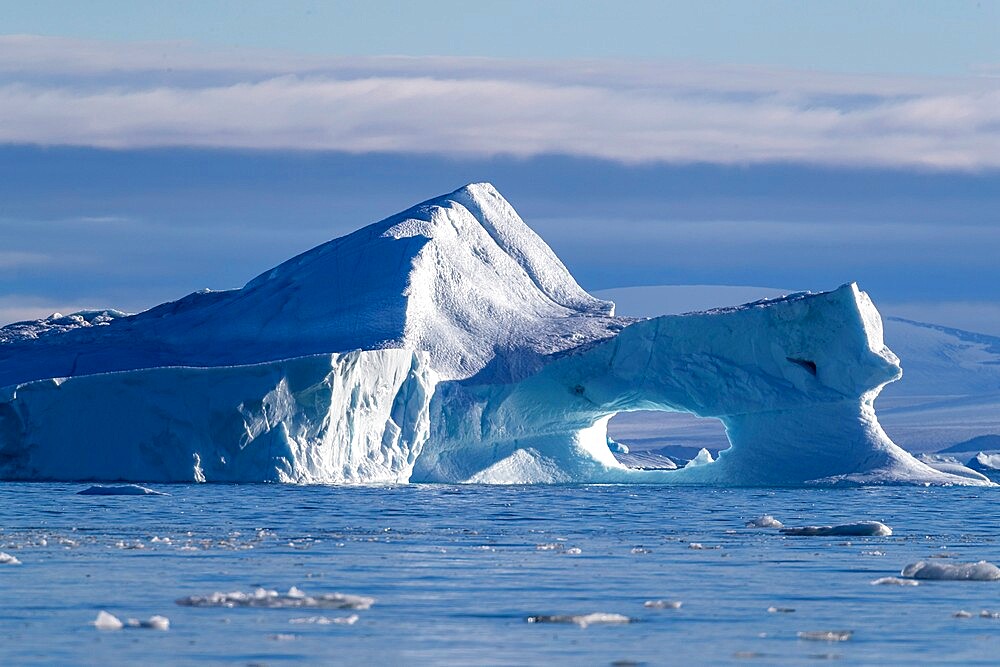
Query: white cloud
x=56 y=91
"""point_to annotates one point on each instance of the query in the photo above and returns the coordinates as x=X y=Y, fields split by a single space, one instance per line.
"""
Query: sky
x=151 y=149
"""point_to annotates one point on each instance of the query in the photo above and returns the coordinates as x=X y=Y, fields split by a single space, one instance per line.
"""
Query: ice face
x=445 y=343
x=980 y=571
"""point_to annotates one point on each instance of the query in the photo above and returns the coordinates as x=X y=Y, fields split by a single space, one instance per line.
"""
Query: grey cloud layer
x=56 y=91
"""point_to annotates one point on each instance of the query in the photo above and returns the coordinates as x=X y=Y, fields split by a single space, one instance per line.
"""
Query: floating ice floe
x=894 y=581
x=979 y=571
x=765 y=521
x=262 y=597
x=827 y=635
x=583 y=620
x=780 y=610
x=7 y=559
x=122 y=490
x=326 y=620
x=106 y=621
x=662 y=604
x=857 y=529
x=962 y=614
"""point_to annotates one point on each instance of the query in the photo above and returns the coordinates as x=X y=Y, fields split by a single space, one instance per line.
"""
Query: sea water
x=457 y=572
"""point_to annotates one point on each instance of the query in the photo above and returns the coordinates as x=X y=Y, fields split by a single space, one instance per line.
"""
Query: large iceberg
x=447 y=343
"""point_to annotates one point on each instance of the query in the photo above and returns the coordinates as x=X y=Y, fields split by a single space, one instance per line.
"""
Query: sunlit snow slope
x=446 y=343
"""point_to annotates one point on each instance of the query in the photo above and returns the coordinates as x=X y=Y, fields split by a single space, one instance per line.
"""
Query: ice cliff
x=446 y=343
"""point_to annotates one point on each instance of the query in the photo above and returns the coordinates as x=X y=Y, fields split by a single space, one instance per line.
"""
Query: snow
x=979 y=571
x=124 y=490
x=857 y=529
x=444 y=344
x=272 y=599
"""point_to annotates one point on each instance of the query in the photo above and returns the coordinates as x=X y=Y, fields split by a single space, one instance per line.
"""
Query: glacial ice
x=765 y=521
x=272 y=599
x=925 y=569
x=447 y=343
x=7 y=559
x=583 y=620
x=857 y=529
x=108 y=621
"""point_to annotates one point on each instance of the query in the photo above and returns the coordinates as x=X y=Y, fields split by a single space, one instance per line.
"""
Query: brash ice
x=447 y=343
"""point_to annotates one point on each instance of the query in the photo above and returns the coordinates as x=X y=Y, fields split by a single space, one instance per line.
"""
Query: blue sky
x=151 y=149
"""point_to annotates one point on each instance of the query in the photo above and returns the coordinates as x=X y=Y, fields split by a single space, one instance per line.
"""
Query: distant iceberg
x=447 y=343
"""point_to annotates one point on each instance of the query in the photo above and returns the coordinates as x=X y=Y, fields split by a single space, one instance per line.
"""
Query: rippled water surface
x=456 y=572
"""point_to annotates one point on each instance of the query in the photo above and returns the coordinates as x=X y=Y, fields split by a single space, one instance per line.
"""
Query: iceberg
x=446 y=343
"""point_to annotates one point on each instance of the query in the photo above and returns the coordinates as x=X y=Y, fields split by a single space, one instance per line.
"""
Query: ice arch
x=792 y=379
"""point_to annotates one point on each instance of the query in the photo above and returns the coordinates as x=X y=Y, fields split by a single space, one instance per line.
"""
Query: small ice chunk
x=894 y=581
x=986 y=613
x=662 y=604
x=152 y=623
x=7 y=559
x=765 y=521
x=106 y=621
x=551 y=546
x=962 y=614
x=574 y=551
x=827 y=635
x=640 y=550
x=583 y=620
x=696 y=545
x=326 y=620
x=857 y=529
x=123 y=490
x=274 y=600
x=980 y=571
x=780 y=610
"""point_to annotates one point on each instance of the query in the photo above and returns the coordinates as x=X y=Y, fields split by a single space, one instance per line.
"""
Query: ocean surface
x=456 y=572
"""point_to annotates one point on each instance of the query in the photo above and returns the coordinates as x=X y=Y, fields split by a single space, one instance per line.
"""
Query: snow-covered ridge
x=445 y=343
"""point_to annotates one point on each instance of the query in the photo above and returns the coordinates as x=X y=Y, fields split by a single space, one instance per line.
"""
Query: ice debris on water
x=7 y=559
x=107 y=621
x=765 y=521
x=780 y=610
x=980 y=571
x=962 y=614
x=326 y=620
x=583 y=620
x=894 y=581
x=662 y=604
x=827 y=635
x=856 y=529
x=263 y=597
x=123 y=490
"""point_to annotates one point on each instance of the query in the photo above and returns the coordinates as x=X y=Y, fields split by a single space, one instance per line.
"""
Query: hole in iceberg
x=655 y=439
